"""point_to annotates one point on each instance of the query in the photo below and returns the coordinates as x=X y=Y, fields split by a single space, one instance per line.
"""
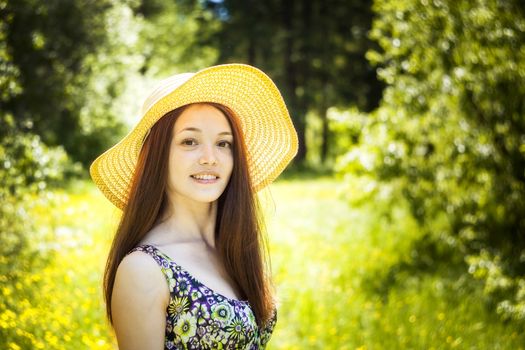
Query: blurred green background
x=400 y=223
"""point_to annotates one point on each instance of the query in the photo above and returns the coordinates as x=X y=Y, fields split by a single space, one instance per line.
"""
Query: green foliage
x=172 y=39
x=449 y=135
x=436 y=174
x=70 y=59
x=27 y=168
x=44 y=69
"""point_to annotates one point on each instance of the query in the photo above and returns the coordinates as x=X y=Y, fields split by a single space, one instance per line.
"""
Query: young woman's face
x=201 y=157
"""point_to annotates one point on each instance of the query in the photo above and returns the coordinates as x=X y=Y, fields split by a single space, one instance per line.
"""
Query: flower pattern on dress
x=199 y=318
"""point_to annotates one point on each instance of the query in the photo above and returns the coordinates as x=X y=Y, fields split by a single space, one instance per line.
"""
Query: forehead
x=202 y=116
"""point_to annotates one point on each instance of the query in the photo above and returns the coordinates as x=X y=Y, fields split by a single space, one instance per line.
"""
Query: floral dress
x=199 y=318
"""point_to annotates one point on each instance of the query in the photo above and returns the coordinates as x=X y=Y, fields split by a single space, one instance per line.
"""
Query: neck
x=191 y=222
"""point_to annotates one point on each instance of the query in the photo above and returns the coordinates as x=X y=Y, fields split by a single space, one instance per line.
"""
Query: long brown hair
x=239 y=230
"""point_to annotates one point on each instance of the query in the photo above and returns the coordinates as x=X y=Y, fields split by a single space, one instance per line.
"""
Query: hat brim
x=270 y=137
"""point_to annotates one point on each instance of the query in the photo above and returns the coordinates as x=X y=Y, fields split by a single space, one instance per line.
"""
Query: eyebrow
x=199 y=130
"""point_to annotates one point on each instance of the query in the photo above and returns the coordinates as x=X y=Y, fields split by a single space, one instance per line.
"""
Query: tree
x=71 y=58
x=171 y=40
x=315 y=50
x=55 y=80
x=449 y=135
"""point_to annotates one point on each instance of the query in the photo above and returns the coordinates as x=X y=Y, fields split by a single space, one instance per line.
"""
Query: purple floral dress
x=199 y=318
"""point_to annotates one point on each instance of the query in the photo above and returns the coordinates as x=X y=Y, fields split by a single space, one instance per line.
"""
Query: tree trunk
x=325 y=28
x=298 y=113
x=248 y=8
x=325 y=133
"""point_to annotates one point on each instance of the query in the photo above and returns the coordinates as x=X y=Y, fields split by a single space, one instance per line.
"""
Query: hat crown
x=163 y=88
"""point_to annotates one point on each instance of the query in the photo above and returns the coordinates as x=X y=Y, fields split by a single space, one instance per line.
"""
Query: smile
x=204 y=177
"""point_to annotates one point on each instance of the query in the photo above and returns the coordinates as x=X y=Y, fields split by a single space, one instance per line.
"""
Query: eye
x=226 y=144
x=189 y=142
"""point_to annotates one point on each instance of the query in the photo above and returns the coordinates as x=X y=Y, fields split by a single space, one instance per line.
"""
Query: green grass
x=327 y=258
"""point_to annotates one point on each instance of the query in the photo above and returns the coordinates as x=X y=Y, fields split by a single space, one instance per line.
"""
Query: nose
x=208 y=156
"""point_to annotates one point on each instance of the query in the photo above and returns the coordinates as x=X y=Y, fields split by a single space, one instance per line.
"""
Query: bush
x=28 y=167
x=450 y=133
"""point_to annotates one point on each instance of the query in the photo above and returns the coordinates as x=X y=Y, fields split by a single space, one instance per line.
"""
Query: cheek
x=179 y=159
x=176 y=165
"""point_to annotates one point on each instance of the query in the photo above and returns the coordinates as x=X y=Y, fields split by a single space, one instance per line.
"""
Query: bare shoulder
x=139 y=300
x=139 y=276
x=140 y=267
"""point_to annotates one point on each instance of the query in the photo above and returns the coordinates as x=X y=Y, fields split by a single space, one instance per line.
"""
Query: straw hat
x=270 y=136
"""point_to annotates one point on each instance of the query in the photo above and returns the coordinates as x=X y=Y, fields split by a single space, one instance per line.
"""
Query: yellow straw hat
x=270 y=137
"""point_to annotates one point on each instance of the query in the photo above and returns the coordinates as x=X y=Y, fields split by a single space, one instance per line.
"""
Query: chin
x=207 y=199
x=210 y=198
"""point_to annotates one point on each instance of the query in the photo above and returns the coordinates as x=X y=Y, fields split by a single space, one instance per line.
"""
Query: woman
x=186 y=269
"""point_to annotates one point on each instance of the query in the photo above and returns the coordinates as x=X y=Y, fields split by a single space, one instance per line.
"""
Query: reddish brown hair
x=239 y=237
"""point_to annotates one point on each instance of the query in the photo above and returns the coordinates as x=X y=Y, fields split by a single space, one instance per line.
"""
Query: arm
x=139 y=300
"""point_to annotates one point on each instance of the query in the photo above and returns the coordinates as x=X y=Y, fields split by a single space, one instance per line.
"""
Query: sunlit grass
x=325 y=255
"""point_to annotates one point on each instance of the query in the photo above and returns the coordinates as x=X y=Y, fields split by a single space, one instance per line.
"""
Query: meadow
x=334 y=267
